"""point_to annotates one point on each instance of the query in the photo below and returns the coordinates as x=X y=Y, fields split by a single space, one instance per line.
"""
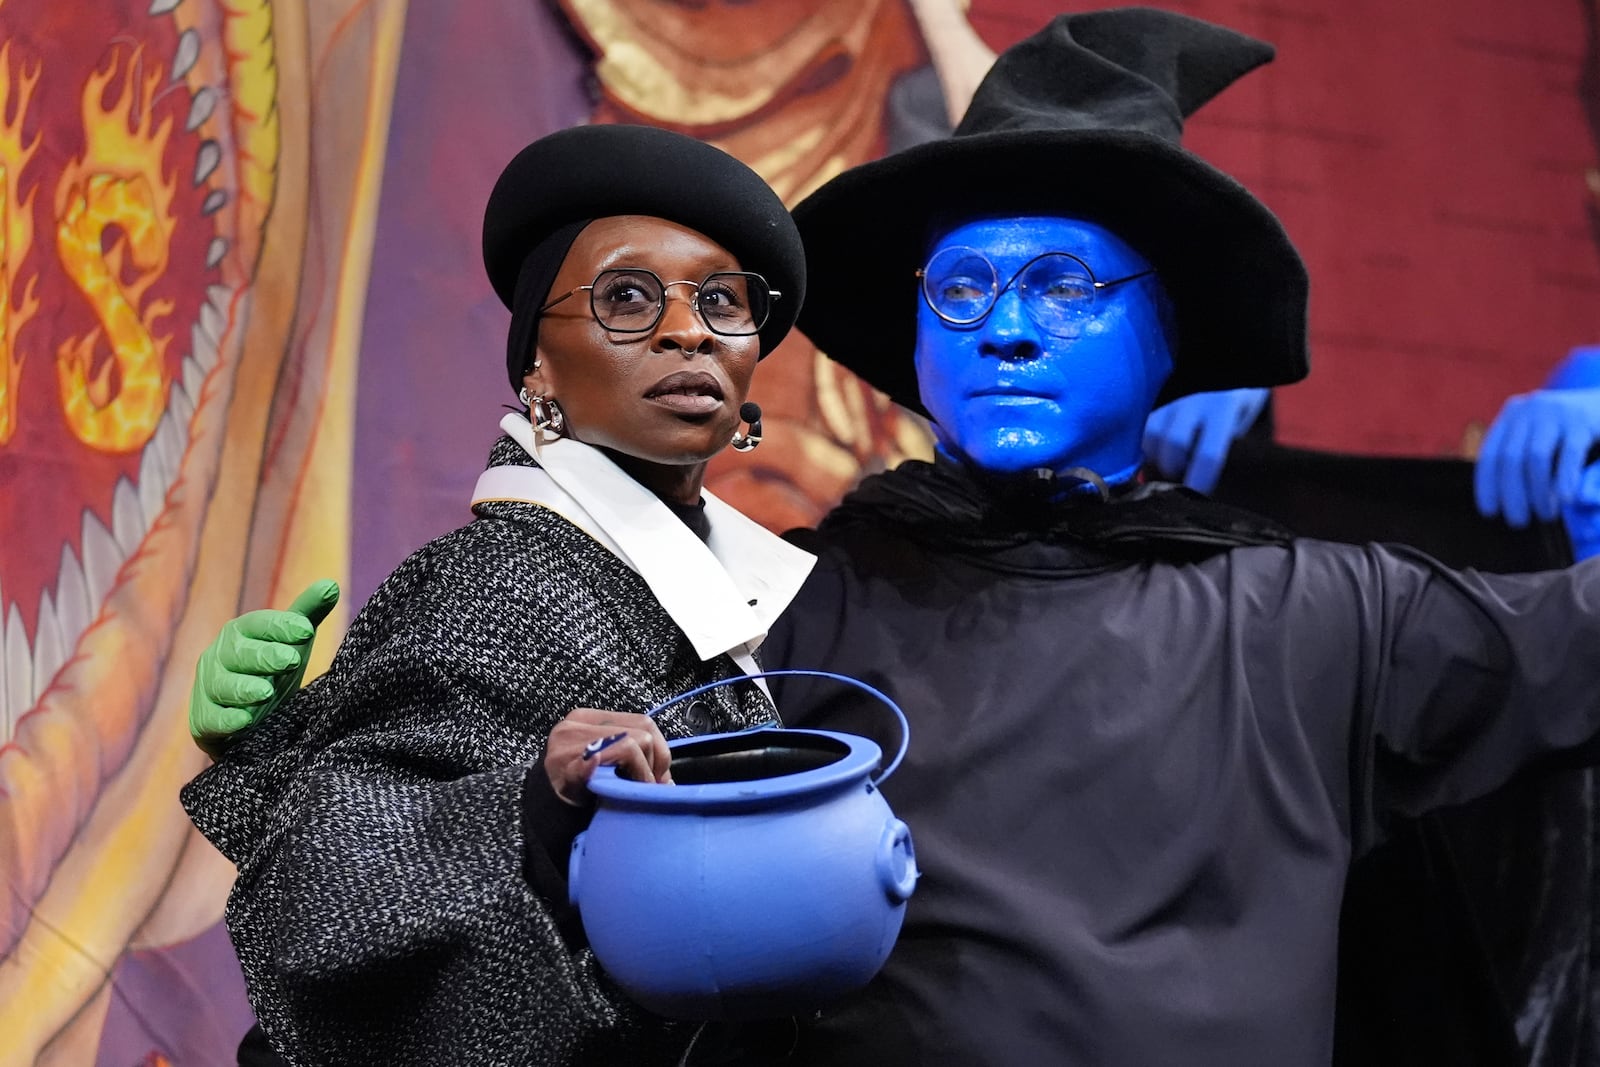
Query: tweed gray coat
x=381 y=913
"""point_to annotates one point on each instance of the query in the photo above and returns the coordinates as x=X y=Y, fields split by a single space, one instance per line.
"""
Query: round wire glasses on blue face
x=632 y=300
x=1057 y=289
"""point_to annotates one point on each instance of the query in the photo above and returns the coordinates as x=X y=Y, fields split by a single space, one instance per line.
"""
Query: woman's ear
x=535 y=380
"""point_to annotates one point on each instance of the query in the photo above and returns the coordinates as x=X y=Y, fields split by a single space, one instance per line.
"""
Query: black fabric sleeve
x=549 y=826
x=1473 y=678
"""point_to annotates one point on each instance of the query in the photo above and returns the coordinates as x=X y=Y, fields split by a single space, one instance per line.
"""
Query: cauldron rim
x=861 y=758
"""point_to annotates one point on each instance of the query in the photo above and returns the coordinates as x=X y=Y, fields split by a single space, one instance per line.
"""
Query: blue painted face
x=1023 y=389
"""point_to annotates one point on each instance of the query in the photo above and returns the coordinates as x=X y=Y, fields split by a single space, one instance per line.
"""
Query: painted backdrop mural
x=194 y=250
x=186 y=194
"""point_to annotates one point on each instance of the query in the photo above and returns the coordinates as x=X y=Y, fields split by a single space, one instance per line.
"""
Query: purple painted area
x=477 y=81
x=185 y=1002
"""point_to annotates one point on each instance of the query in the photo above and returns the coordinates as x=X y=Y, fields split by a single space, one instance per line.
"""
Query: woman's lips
x=687 y=393
x=687 y=403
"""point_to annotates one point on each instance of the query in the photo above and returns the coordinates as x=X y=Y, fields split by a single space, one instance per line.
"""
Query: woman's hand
x=589 y=737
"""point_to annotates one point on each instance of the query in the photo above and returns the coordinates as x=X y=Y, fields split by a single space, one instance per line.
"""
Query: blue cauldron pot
x=769 y=880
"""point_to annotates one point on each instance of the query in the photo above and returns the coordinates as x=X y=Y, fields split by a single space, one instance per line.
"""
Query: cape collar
x=724 y=593
x=953 y=506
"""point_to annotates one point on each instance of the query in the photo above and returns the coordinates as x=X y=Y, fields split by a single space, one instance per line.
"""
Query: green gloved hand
x=255 y=663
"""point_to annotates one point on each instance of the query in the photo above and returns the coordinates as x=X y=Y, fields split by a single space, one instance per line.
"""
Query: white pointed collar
x=724 y=592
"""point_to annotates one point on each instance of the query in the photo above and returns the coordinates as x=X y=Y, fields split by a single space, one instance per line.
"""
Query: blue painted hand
x=1190 y=437
x=1042 y=342
x=1532 y=460
x=1581 y=371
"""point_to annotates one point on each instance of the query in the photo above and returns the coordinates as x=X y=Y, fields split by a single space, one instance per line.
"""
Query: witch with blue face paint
x=1150 y=732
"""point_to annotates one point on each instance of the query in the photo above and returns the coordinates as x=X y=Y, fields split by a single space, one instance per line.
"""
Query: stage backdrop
x=246 y=340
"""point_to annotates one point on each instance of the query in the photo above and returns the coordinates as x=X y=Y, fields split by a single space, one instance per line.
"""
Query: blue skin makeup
x=1008 y=396
x=1533 y=439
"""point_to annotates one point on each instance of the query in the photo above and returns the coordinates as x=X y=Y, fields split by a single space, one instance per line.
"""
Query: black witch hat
x=1082 y=120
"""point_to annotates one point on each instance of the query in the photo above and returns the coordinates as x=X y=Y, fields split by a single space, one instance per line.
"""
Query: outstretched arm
x=1472 y=678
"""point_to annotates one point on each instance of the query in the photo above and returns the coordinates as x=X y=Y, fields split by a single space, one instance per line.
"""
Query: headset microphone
x=749 y=412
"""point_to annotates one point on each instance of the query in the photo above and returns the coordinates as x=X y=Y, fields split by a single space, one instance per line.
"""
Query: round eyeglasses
x=632 y=300
x=1057 y=289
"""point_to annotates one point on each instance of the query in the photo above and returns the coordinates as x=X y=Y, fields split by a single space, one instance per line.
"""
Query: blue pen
x=594 y=748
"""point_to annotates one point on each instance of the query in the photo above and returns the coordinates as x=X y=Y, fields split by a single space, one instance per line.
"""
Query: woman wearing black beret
x=400 y=826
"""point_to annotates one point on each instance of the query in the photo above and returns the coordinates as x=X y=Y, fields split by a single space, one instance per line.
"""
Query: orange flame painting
x=117 y=186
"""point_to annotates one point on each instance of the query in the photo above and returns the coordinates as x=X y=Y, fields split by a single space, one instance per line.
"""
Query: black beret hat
x=590 y=172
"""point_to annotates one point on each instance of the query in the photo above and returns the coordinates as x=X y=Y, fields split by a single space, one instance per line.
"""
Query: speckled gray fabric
x=380 y=911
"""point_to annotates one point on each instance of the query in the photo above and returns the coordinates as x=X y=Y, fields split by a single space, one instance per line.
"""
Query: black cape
x=1145 y=750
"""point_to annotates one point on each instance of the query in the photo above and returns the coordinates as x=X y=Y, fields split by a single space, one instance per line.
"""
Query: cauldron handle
x=905 y=727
